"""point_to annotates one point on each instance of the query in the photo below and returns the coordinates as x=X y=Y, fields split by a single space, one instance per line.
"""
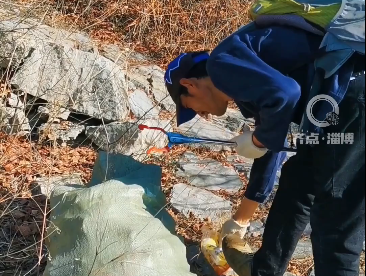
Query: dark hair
x=198 y=71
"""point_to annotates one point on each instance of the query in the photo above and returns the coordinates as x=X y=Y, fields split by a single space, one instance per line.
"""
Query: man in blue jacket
x=268 y=72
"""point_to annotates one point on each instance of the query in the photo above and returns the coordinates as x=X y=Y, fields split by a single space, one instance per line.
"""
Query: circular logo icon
x=309 y=110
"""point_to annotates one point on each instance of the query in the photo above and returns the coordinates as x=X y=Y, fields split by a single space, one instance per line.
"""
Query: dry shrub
x=159 y=28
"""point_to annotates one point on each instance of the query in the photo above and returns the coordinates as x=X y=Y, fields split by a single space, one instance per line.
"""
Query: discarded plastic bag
x=213 y=253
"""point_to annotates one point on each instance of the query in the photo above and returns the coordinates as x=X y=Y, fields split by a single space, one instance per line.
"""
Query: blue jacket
x=256 y=69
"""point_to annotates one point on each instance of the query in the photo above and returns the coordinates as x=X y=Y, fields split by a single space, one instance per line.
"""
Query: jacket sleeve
x=263 y=176
x=243 y=76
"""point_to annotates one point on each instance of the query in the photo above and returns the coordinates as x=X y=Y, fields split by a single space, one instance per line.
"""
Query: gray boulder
x=208 y=174
x=53 y=113
x=202 y=204
x=19 y=37
x=81 y=81
x=64 y=132
x=142 y=106
x=13 y=121
x=151 y=80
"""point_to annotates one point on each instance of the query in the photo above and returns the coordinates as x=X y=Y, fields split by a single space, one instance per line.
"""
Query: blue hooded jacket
x=257 y=70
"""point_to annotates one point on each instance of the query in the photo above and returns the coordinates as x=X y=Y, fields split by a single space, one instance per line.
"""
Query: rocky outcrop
x=151 y=79
x=13 y=121
x=80 y=81
x=63 y=88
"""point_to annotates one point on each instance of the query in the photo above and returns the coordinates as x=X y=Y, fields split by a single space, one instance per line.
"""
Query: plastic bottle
x=213 y=253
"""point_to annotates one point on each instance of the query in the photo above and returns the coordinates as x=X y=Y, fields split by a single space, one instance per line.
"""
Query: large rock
x=199 y=127
x=142 y=106
x=126 y=138
x=66 y=131
x=84 y=82
x=19 y=37
x=13 y=121
x=151 y=79
x=53 y=113
x=202 y=204
x=208 y=174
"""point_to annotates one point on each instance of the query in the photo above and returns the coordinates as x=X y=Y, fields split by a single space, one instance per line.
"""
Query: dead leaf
x=25 y=230
x=17 y=214
x=8 y=167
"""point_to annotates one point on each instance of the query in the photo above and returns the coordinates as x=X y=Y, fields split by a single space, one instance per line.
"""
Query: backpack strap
x=323 y=83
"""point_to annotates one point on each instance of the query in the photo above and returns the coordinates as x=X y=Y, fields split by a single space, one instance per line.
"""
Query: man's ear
x=187 y=83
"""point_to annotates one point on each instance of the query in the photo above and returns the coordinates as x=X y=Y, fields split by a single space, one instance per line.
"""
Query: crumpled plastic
x=115 y=226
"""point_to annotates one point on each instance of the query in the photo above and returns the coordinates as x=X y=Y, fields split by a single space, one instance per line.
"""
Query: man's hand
x=246 y=147
x=233 y=227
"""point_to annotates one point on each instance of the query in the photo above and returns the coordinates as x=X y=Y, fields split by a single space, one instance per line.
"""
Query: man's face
x=203 y=97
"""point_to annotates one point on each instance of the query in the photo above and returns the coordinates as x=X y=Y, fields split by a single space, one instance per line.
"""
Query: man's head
x=192 y=89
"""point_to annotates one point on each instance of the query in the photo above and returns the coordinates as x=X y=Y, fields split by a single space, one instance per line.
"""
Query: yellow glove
x=245 y=146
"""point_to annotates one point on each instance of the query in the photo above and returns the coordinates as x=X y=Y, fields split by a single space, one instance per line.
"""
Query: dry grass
x=23 y=217
x=158 y=28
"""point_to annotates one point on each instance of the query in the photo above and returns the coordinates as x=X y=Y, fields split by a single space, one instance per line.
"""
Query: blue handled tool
x=179 y=139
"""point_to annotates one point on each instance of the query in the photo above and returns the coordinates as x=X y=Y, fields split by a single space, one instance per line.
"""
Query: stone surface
x=141 y=105
x=127 y=139
x=18 y=37
x=233 y=120
x=241 y=164
x=13 y=121
x=54 y=113
x=256 y=228
x=308 y=230
x=15 y=101
x=80 y=81
x=202 y=128
x=201 y=203
x=45 y=185
x=123 y=57
x=151 y=80
x=303 y=250
x=208 y=174
x=64 y=132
